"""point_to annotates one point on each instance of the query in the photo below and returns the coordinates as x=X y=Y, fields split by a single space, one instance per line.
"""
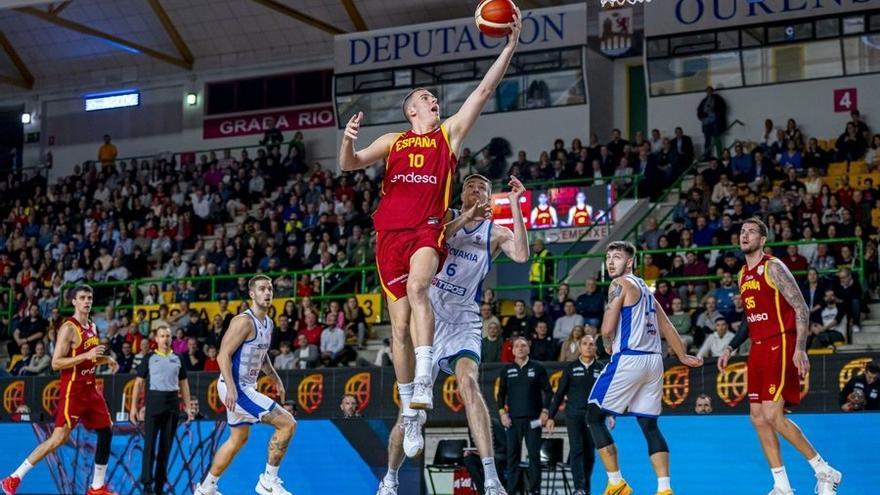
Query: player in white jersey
x=632 y=383
x=473 y=242
x=242 y=355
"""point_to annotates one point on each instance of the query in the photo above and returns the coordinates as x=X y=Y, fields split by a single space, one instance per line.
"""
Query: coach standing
x=523 y=398
x=165 y=376
x=576 y=383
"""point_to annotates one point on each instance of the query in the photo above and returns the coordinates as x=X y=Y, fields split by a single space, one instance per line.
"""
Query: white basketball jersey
x=247 y=361
x=637 y=329
x=456 y=291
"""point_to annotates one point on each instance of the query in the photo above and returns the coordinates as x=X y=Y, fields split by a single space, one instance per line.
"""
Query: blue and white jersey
x=457 y=289
x=637 y=329
x=247 y=361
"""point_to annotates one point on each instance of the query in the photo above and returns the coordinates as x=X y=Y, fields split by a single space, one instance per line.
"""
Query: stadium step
x=870 y=326
x=871 y=338
x=874 y=308
x=856 y=347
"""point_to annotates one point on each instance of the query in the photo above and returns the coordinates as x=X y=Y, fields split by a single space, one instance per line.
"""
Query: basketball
x=494 y=17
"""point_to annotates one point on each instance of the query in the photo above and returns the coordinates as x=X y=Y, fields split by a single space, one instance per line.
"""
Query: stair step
x=872 y=338
x=856 y=347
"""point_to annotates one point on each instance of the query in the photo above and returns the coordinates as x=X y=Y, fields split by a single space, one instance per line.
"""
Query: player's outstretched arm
x=788 y=287
x=514 y=244
x=461 y=122
x=349 y=159
x=667 y=329
x=480 y=211
x=239 y=330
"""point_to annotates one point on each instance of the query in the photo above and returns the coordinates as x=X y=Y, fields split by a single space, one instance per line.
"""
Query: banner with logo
x=456 y=39
x=258 y=123
x=679 y=16
x=317 y=393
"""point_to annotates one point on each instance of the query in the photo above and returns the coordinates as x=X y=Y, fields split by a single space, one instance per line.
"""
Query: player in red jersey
x=581 y=214
x=777 y=321
x=543 y=216
x=77 y=353
x=415 y=195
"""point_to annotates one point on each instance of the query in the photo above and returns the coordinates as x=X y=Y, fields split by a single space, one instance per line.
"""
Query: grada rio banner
x=257 y=123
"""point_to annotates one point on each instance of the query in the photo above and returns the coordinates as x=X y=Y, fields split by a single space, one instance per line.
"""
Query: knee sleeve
x=102 y=449
x=598 y=430
x=656 y=442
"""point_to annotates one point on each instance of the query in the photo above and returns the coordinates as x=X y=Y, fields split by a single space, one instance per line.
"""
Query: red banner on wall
x=257 y=123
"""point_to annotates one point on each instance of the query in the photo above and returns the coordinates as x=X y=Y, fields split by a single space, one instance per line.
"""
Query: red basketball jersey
x=581 y=216
x=83 y=374
x=543 y=218
x=417 y=186
x=767 y=312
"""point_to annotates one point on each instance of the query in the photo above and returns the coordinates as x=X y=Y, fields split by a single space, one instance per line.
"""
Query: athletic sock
x=405 y=390
x=663 y=484
x=391 y=477
x=211 y=480
x=817 y=463
x=614 y=477
x=98 y=480
x=424 y=358
x=272 y=470
x=23 y=469
x=489 y=470
x=780 y=478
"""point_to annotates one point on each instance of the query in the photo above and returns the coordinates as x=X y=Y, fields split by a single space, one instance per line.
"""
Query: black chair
x=449 y=456
x=551 y=464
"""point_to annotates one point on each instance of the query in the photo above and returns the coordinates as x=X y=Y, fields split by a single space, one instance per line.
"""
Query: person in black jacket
x=524 y=397
x=575 y=386
x=712 y=112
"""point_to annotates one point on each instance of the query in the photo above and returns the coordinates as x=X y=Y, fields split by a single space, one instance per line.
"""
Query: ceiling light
x=192 y=99
x=25 y=118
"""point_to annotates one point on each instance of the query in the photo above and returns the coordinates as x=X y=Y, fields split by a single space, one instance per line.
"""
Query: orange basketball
x=494 y=17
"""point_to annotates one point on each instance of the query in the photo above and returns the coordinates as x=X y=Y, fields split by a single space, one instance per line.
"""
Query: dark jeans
x=582 y=452
x=518 y=430
x=162 y=425
x=824 y=339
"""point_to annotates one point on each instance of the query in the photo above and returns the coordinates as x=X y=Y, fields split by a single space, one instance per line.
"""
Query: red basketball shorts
x=81 y=404
x=394 y=248
x=771 y=370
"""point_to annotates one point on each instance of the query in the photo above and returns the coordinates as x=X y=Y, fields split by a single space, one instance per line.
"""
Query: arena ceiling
x=48 y=46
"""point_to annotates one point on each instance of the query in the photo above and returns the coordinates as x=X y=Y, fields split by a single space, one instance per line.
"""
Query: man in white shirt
x=285 y=360
x=333 y=349
x=566 y=323
x=306 y=355
x=716 y=342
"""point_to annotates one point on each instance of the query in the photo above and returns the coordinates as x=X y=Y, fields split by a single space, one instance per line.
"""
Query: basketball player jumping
x=778 y=322
x=415 y=195
x=633 y=381
x=455 y=294
x=77 y=353
x=242 y=355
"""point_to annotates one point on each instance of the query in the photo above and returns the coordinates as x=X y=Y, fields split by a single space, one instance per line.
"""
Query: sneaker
x=386 y=489
x=619 y=488
x=491 y=488
x=206 y=490
x=10 y=485
x=413 y=441
x=270 y=485
x=779 y=491
x=423 y=394
x=856 y=329
x=103 y=490
x=827 y=481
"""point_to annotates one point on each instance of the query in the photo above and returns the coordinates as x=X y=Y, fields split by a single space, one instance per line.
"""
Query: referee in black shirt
x=165 y=377
x=523 y=399
x=576 y=383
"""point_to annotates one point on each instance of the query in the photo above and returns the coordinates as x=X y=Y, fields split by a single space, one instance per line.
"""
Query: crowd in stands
x=272 y=211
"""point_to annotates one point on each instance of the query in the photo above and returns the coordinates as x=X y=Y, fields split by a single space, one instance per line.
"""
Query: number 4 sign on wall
x=846 y=100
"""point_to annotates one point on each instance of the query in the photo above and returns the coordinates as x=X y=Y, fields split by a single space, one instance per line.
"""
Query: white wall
x=810 y=103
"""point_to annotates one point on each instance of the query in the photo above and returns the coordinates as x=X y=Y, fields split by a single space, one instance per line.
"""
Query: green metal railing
x=676 y=187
